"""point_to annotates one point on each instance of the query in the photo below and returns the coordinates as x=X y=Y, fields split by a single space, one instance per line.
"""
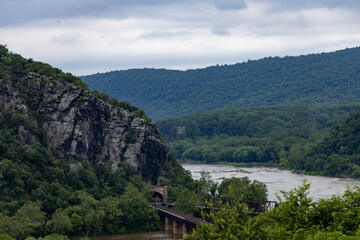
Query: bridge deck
x=179 y=215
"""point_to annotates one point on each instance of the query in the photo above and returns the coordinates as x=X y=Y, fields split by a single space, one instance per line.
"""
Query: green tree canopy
x=243 y=188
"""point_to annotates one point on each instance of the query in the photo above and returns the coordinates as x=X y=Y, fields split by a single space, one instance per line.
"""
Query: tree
x=295 y=212
x=243 y=188
x=137 y=215
x=230 y=222
x=28 y=217
x=54 y=237
x=113 y=219
x=4 y=236
x=8 y=225
x=187 y=202
x=61 y=223
x=209 y=186
x=77 y=223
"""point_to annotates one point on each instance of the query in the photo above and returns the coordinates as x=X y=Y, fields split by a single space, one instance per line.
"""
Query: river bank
x=275 y=179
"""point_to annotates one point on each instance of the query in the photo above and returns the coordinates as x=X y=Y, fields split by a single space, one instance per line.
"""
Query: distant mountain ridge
x=313 y=80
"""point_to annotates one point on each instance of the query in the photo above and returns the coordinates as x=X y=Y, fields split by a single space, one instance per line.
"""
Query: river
x=275 y=179
x=158 y=235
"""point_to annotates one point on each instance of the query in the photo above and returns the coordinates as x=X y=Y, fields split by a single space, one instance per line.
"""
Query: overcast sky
x=90 y=36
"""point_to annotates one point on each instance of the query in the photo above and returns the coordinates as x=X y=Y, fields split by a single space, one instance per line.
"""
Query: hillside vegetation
x=248 y=135
x=336 y=155
x=312 y=80
x=47 y=188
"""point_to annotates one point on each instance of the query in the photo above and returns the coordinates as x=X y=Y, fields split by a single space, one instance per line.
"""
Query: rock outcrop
x=76 y=122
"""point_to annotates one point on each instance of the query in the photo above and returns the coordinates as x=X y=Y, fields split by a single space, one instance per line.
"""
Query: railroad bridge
x=257 y=206
x=177 y=222
x=180 y=223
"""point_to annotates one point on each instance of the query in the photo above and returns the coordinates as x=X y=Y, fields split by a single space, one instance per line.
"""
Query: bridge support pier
x=177 y=222
x=178 y=228
x=169 y=224
x=181 y=228
x=184 y=230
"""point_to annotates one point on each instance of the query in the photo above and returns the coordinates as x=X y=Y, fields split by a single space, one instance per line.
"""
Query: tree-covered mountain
x=336 y=155
x=254 y=134
x=74 y=162
x=315 y=79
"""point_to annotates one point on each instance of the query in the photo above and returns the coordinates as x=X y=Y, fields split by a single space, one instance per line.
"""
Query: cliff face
x=76 y=122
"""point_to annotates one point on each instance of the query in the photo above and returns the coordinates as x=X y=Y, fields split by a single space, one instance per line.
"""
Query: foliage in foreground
x=243 y=188
x=297 y=217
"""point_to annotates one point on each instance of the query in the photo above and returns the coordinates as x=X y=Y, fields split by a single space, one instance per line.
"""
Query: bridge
x=257 y=206
x=177 y=222
x=180 y=223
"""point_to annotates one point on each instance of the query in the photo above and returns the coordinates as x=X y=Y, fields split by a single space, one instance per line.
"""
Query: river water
x=158 y=235
x=275 y=179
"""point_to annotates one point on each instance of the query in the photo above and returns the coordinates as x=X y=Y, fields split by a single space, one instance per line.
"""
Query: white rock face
x=78 y=123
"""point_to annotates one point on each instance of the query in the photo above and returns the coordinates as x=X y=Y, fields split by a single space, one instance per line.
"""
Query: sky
x=90 y=36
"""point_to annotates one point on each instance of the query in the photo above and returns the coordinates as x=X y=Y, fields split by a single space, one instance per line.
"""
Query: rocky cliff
x=78 y=123
x=73 y=160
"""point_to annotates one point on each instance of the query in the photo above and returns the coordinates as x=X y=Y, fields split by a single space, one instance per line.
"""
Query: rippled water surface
x=159 y=235
x=275 y=179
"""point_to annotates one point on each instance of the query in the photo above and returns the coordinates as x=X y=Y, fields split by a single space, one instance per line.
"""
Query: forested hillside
x=248 y=135
x=69 y=161
x=338 y=154
x=315 y=80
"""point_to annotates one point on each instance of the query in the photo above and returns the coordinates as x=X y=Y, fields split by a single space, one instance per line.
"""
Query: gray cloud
x=220 y=31
x=229 y=4
x=64 y=38
x=306 y=4
x=165 y=34
x=14 y=12
x=99 y=35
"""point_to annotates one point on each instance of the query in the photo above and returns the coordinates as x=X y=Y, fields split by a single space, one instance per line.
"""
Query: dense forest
x=338 y=154
x=311 y=80
x=44 y=191
x=251 y=135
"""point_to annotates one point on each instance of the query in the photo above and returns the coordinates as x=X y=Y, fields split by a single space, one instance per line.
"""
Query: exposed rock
x=78 y=123
x=9 y=97
x=26 y=137
x=32 y=75
x=75 y=166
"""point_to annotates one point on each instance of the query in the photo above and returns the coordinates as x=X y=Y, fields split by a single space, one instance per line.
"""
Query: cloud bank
x=89 y=36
